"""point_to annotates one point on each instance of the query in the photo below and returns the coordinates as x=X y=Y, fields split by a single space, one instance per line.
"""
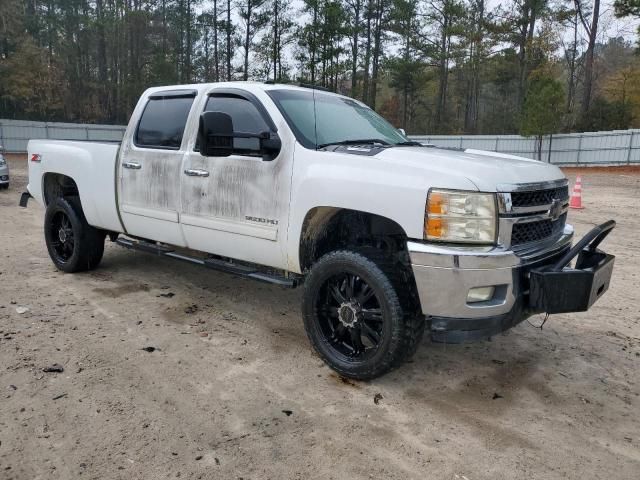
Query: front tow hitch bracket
x=589 y=242
x=561 y=289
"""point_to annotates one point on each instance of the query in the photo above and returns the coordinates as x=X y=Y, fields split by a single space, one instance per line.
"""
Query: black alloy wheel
x=350 y=316
x=354 y=317
x=61 y=233
x=73 y=244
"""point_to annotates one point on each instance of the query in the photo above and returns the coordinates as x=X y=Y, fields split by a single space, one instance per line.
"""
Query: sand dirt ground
x=233 y=389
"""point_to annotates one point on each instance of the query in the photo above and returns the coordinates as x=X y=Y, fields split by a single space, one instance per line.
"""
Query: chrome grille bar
x=547 y=214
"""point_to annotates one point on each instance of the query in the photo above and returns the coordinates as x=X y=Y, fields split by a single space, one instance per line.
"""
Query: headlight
x=3 y=162
x=457 y=216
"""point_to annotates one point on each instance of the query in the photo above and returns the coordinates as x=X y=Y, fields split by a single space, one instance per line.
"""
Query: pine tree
x=542 y=114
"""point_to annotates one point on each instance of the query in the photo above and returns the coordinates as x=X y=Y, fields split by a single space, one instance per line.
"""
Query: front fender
x=362 y=183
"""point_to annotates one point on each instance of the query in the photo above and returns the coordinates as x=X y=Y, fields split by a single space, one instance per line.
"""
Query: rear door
x=150 y=167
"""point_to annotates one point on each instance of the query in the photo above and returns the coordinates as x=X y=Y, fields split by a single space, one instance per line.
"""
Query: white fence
x=620 y=147
x=14 y=134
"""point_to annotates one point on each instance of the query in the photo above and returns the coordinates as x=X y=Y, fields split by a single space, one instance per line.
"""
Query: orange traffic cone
x=576 y=194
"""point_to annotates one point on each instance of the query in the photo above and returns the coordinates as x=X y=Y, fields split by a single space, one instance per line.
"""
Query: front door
x=237 y=206
x=150 y=168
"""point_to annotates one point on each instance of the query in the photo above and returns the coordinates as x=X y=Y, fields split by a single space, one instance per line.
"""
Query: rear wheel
x=354 y=317
x=73 y=244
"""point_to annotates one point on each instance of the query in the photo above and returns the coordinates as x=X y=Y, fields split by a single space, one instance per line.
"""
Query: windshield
x=336 y=120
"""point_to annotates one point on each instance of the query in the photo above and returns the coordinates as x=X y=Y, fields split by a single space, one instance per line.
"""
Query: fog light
x=480 y=294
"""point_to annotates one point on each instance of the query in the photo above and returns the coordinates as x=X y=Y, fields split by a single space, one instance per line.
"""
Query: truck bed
x=92 y=165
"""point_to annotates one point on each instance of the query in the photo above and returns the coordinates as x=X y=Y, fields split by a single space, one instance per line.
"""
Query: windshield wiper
x=362 y=141
x=408 y=143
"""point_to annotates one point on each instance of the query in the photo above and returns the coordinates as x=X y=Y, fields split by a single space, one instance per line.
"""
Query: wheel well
x=57 y=185
x=327 y=228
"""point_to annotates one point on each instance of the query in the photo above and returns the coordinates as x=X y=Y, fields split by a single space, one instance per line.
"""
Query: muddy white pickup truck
x=296 y=186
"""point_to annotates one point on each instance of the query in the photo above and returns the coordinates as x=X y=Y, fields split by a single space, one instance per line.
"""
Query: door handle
x=132 y=165
x=196 y=172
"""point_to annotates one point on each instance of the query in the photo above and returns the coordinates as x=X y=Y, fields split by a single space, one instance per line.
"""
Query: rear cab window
x=163 y=120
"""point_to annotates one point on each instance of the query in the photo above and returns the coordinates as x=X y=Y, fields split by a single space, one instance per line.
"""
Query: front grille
x=539 y=197
x=535 y=231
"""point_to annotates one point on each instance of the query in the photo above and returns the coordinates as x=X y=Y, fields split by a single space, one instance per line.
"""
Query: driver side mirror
x=216 y=138
x=215 y=134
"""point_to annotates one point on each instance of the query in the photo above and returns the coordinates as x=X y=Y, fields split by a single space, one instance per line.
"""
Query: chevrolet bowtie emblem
x=555 y=210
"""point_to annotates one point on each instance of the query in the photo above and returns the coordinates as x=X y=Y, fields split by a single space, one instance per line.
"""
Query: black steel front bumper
x=549 y=286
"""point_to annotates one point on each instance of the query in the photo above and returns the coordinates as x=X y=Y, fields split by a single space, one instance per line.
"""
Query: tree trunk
x=188 y=56
x=207 y=63
x=324 y=49
x=526 y=25
x=572 y=69
x=405 y=89
x=216 y=59
x=367 y=58
x=588 y=65
x=164 y=28
x=443 y=72
x=313 y=43
x=473 y=93
x=354 y=47
x=102 y=59
x=275 y=40
x=50 y=35
x=181 y=45
x=527 y=60
x=540 y=147
x=247 y=38
x=471 y=105
x=228 y=40
x=377 y=50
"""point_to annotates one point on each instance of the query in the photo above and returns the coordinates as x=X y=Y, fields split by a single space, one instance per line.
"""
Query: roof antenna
x=315 y=118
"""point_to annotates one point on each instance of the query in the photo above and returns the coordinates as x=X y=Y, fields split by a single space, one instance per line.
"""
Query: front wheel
x=354 y=318
x=73 y=244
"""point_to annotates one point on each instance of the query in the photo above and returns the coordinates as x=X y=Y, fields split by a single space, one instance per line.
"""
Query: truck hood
x=486 y=170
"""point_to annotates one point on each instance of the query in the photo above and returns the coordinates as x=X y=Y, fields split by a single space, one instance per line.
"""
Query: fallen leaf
x=55 y=368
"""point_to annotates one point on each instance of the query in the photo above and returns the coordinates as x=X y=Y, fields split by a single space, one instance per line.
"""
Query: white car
x=4 y=171
x=293 y=185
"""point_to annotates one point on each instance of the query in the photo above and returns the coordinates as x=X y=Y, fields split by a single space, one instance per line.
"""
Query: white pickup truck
x=294 y=185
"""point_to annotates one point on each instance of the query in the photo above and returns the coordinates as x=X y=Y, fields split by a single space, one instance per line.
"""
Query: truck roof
x=247 y=85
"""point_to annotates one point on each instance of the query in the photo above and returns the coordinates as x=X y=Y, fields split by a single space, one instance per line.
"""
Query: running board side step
x=239 y=270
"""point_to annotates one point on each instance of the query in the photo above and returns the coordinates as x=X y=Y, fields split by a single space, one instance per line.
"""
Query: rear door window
x=163 y=121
